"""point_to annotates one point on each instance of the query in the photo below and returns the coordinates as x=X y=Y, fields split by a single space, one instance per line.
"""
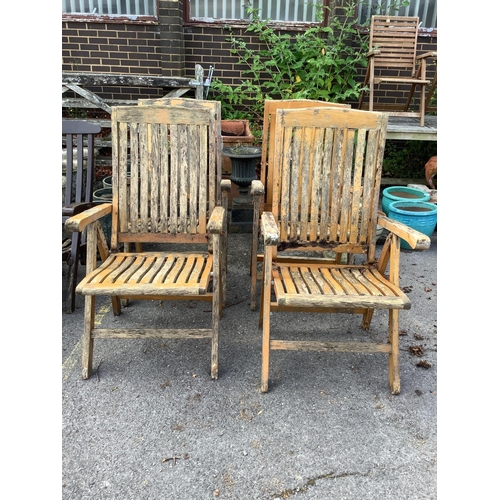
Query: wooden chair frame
x=170 y=198
x=79 y=146
x=263 y=199
x=393 y=49
x=337 y=154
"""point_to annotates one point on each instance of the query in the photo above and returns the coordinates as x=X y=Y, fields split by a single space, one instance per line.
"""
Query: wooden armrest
x=371 y=53
x=427 y=54
x=80 y=221
x=77 y=208
x=225 y=185
x=257 y=188
x=416 y=239
x=269 y=229
x=215 y=224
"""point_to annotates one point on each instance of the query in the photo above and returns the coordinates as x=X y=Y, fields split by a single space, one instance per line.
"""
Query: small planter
x=243 y=169
x=419 y=215
x=401 y=193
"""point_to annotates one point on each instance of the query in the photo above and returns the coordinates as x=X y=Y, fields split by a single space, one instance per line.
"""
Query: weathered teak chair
x=78 y=143
x=393 y=60
x=171 y=198
x=266 y=176
x=327 y=171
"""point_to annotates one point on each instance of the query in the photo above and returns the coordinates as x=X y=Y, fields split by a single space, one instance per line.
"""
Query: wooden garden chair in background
x=78 y=146
x=171 y=198
x=263 y=199
x=326 y=173
x=393 y=60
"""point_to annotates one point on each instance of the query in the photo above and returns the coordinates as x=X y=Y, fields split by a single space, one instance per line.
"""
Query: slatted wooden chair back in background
x=166 y=180
x=327 y=173
x=78 y=143
x=263 y=198
x=393 y=60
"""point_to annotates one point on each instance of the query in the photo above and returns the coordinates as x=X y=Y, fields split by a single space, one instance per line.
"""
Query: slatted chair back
x=268 y=128
x=396 y=39
x=327 y=173
x=393 y=60
x=157 y=194
x=78 y=144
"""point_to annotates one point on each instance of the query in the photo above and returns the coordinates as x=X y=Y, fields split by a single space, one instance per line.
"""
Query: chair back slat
x=326 y=172
x=166 y=161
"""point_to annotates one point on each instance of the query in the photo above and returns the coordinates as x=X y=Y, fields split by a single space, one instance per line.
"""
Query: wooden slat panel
x=183 y=177
x=133 y=197
x=154 y=194
x=304 y=345
x=164 y=177
x=336 y=175
x=161 y=333
x=144 y=169
x=345 y=202
x=174 y=177
x=325 y=182
x=150 y=273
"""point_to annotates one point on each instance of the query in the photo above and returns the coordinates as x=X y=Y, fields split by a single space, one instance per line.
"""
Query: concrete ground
x=151 y=424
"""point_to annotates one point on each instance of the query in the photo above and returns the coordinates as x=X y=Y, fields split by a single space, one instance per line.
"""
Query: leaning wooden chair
x=78 y=147
x=337 y=156
x=262 y=199
x=171 y=198
x=393 y=60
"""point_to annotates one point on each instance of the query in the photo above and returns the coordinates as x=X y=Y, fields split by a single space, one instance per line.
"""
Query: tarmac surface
x=151 y=424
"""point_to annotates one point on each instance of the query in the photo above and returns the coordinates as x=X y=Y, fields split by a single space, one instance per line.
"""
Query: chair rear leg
x=394 y=380
x=367 y=319
x=87 y=340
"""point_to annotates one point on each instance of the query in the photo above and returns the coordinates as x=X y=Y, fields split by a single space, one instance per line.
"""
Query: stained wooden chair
x=262 y=199
x=393 y=60
x=171 y=198
x=326 y=181
x=78 y=146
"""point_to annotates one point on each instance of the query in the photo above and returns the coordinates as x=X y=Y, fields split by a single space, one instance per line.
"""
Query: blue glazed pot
x=401 y=193
x=419 y=215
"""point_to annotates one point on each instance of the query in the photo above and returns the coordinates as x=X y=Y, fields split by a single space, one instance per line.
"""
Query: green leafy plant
x=320 y=63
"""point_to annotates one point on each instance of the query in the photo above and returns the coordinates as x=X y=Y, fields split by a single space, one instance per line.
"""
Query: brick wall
x=168 y=49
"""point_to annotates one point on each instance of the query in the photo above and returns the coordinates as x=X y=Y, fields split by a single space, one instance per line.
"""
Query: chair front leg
x=217 y=297
x=266 y=314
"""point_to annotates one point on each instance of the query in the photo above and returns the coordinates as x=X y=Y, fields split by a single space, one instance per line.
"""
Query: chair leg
x=367 y=319
x=214 y=367
x=87 y=340
x=394 y=380
x=73 y=272
x=216 y=308
x=422 y=106
x=266 y=314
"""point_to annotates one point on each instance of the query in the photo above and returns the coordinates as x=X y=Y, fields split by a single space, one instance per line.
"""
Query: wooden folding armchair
x=326 y=182
x=78 y=144
x=393 y=60
x=170 y=199
x=262 y=199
